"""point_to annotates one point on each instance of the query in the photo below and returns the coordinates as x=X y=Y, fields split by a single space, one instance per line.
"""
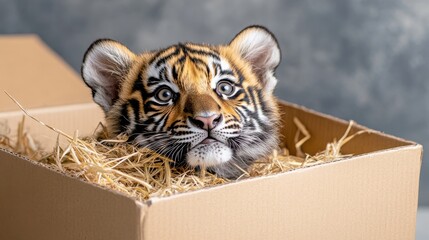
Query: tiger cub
x=199 y=105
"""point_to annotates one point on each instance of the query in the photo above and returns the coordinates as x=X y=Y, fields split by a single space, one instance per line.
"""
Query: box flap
x=36 y=76
x=46 y=86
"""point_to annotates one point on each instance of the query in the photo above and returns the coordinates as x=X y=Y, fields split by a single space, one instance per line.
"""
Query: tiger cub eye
x=164 y=95
x=225 y=88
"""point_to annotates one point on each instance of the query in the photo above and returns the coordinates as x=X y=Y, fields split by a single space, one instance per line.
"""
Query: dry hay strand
x=116 y=164
x=143 y=173
x=281 y=160
x=332 y=151
x=23 y=143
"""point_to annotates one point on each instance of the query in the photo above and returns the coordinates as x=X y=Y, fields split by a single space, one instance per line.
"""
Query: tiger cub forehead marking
x=191 y=67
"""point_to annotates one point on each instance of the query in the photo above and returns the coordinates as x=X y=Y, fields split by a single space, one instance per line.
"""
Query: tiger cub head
x=199 y=105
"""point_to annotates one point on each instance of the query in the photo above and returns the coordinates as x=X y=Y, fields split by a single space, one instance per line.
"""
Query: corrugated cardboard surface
x=37 y=203
x=36 y=76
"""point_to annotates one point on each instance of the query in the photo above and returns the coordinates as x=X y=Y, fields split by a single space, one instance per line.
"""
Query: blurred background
x=365 y=60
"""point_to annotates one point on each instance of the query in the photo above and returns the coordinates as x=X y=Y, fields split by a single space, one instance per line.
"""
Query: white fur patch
x=208 y=155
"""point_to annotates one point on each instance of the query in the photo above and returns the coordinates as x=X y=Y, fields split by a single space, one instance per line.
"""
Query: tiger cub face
x=200 y=105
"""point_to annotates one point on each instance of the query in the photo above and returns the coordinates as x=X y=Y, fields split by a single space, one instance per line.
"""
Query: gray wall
x=365 y=60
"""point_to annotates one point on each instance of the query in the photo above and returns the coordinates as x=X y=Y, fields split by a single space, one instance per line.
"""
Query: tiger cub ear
x=258 y=46
x=105 y=64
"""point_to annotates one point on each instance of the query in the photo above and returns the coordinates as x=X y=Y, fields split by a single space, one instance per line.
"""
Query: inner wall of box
x=324 y=129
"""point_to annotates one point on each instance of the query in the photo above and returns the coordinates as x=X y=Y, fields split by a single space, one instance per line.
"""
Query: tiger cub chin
x=198 y=104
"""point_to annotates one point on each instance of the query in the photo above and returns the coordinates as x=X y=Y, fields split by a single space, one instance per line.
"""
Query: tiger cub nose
x=206 y=123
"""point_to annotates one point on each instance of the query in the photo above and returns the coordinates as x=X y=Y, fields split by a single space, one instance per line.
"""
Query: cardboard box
x=372 y=195
x=44 y=84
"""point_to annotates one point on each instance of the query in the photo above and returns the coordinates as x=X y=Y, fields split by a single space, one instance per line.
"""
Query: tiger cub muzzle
x=207 y=131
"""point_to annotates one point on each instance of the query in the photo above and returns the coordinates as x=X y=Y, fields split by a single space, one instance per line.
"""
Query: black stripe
x=252 y=97
x=240 y=76
x=243 y=116
x=181 y=60
x=208 y=71
x=153 y=81
x=150 y=103
x=257 y=100
x=174 y=73
x=263 y=104
x=135 y=105
x=163 y=74
x=240 y=91
x=212 y=54
x=227 y=72
x=157 y=55
x=254 y=116
x=138 y=86
x=215 y=67
x=164 y=118
x=148 y=107
x=238 y=72
x=124 y=121
x=175 y=122
x=198 y=63
x=154 y=114
x=166 y=58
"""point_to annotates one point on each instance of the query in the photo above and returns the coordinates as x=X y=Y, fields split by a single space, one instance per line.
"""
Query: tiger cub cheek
x=209 y=155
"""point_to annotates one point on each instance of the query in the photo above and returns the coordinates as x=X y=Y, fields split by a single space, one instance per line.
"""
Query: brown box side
x=371 y=196
x=38 y=203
